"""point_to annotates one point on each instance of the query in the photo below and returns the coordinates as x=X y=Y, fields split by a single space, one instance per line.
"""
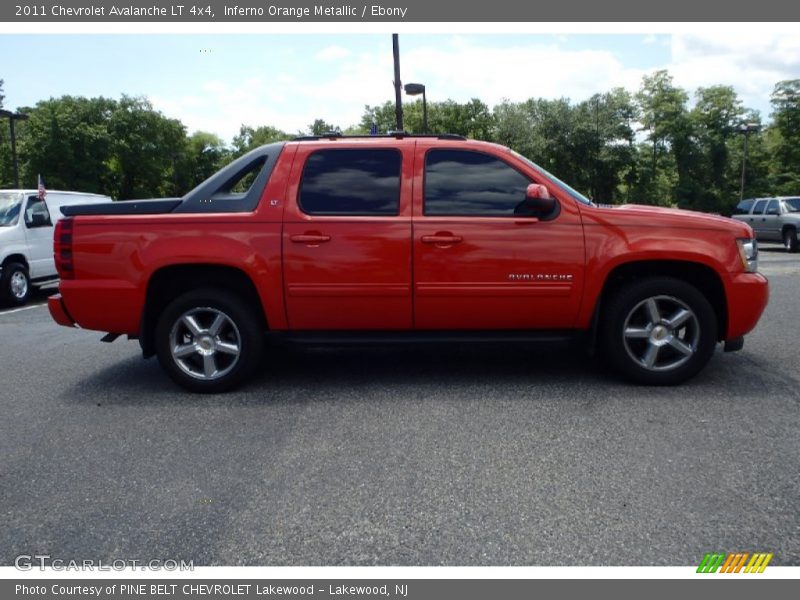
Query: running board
x=339 y=338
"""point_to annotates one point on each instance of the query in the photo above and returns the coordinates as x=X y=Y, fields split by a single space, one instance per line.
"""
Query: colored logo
x=735 y=562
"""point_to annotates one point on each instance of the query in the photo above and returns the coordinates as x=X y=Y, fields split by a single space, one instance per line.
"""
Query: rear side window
x=773 y=208
x=467 y=183
x=743 y=208
x=353 y=182
x=759 y=208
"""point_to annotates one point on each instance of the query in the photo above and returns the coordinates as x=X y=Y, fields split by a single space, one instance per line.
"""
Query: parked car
x=392 y=238
x=772 y=219
x=26 y=238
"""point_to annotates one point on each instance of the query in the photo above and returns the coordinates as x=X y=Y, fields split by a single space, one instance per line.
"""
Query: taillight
x=62 y=248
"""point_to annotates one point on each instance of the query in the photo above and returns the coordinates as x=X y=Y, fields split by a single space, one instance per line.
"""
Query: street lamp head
x=13 y=116
x=748 y=127
x=414 y=89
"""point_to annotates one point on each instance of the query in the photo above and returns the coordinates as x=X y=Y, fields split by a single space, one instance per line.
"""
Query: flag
x=374 y=129
x=41 y=189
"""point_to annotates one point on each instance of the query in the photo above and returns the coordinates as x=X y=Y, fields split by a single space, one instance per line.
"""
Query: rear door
x=772 y=221
x=347 y=236
x=478 y=262
x=758 y=219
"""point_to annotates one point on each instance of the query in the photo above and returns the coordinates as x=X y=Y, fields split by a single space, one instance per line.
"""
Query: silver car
x=773 y=219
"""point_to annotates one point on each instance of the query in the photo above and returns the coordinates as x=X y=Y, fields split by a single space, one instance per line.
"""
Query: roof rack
x=335 y=135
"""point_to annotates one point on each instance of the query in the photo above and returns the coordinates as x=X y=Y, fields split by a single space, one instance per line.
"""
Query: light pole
x=745 y=129
x=415 y=89
x=398 y=100
x=12 y=117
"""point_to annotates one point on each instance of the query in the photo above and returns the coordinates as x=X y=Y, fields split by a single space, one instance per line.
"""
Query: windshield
x=9 y=209
x=792 y=204
x=571 y=191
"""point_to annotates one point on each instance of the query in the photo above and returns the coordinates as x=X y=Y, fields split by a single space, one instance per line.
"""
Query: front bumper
x=748 y=294
x=55 y=304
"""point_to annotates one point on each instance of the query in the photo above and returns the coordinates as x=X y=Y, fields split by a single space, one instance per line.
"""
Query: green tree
x=786 y=137
x=203 y=155
x=321 y=127
x=472 y=119
x=665 y=175
x=68 y=142
x=716 y=115
x=249 y=138
x=145 y=150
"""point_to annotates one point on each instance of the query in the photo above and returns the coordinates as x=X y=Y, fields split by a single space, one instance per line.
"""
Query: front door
x=479 y=261
x=39 y=237
x=347 y=237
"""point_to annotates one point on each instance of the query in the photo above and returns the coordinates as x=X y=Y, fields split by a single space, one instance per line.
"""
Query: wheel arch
x=167 y=283
x=701 y=276
x=18 y=258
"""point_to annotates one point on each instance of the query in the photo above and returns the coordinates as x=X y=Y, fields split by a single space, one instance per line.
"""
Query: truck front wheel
x=209 y=340
x=658 y=331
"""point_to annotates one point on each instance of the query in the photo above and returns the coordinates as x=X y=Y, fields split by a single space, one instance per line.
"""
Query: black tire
x=790 y=239
x=240 y=327
x=664 y=351
x=15 y=284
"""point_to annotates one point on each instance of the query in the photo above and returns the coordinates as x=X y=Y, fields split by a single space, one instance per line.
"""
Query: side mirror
x=538 y=201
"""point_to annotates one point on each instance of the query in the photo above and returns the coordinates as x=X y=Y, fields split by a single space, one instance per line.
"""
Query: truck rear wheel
x=15 y=284
x=658 y=331
x=209 y=340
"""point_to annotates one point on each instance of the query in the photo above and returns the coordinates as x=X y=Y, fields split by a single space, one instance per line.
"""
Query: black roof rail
x=334 y=135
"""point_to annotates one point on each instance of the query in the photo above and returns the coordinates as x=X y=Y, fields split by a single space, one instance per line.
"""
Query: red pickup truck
x=399 y=237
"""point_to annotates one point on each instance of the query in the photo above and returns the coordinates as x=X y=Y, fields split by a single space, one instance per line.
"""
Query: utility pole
x=398 y=99
x=745 y=129
x=12 y=117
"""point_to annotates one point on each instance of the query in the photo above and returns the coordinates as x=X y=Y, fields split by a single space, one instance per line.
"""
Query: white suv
x=26 y=238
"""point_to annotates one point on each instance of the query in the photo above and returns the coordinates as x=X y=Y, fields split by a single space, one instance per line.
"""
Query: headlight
x=748 y=250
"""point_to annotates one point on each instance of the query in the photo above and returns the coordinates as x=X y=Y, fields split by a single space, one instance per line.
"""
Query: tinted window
x=743 y=207
x=792 y=204
x=351 y=182
x=759 y=209
x=773 y=208
x=460 y=182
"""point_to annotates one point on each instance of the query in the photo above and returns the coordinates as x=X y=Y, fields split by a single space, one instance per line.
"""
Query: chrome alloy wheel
x=205 y=343
x=18 y=285
x=661 y=333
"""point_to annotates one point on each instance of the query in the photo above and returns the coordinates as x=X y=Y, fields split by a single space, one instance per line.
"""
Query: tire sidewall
x=8 y=271
x=790 y=239
x=616 y=313
x=250 y=333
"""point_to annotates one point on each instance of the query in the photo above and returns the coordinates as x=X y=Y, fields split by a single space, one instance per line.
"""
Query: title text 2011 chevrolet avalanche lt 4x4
x=406 y=237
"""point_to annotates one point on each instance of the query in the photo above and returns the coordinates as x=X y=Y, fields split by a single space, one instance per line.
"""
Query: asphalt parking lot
x=451 y=455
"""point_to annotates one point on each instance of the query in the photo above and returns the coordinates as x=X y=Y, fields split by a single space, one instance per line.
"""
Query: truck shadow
x=337 y=370
x=297 y=375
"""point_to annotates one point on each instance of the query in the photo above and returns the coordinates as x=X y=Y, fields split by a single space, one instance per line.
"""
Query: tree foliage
x=660 y=145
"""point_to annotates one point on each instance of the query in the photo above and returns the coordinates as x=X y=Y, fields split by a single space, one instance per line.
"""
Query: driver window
x=36 y=214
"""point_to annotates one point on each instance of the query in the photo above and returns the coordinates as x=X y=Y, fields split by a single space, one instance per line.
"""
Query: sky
x=218 y=82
